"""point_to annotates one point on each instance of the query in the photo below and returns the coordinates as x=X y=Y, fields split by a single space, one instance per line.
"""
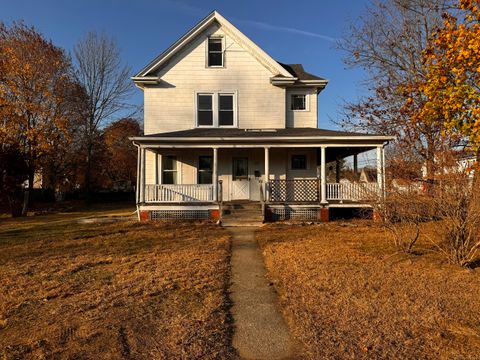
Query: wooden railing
x=352 y=191
x=299 y=190
x=179 y=193
x=308 y=191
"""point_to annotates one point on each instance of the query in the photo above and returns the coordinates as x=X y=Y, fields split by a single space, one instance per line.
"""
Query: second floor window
x=298 y=102
x=216 y=109
x=215 y=52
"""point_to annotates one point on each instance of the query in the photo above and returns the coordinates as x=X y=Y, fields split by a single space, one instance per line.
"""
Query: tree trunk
x=88 y=174
x=26 y=194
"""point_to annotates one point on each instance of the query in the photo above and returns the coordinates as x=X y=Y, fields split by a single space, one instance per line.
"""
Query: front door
x=240 y=181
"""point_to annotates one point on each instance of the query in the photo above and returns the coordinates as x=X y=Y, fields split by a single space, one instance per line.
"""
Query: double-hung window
x=205 y=109
x=215 y=52
x=299 y=162
x=205 y=169
x=298 y=102
x=169 y=172
x=216 y=109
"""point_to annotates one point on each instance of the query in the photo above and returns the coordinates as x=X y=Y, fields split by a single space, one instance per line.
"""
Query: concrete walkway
x=260 y=331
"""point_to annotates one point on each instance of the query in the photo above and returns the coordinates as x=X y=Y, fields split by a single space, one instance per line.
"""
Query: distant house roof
x=299 y=72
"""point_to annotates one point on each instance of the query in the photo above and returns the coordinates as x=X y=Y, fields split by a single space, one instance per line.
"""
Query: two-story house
x=225 y=122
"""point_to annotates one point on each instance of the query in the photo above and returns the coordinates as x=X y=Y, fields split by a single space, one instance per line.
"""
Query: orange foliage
x=35 y=87
x=452 y=82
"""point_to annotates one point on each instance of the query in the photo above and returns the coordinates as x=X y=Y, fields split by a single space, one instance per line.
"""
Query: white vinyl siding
x=302 y=118
x=170 y=105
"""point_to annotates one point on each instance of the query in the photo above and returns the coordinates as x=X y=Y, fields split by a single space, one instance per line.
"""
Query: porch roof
x=255 y=137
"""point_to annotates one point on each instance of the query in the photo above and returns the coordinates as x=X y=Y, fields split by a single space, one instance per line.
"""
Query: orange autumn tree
x=34 y=103
x=452 y=82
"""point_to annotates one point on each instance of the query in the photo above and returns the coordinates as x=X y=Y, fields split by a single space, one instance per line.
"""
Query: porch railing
x=179 y=193
x=298 y=190
x=308 y=191
x=352 y=191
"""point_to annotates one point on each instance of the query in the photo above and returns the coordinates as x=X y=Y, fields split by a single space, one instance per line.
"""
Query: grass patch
x=347 y=293
x=112 y=290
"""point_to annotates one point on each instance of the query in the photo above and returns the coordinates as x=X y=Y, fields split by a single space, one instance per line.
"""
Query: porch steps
x=242 y=214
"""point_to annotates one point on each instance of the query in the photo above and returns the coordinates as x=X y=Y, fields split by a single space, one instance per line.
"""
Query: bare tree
x=107 y=85
x=388 y=42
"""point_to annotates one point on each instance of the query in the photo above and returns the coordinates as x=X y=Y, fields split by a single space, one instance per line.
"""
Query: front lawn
x=346 y=293
x=112 y=290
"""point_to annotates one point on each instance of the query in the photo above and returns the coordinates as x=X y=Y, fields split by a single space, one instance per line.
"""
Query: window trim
x=307 y=101
x=207 y=53
x=216 y=108
x=299 y=154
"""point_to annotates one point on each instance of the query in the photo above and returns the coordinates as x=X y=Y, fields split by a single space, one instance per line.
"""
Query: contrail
x=266 y=26
x=258 y=24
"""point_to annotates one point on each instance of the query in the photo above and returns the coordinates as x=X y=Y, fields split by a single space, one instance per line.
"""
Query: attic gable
x=147 y=74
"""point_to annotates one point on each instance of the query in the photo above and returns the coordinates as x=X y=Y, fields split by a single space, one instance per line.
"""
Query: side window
x=298 y=102
x=169 y=166
x=215 y=52
x=205 y=109
x=205 y=169
x=299 y=162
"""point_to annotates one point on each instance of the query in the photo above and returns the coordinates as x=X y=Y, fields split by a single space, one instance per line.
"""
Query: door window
x=240 y=168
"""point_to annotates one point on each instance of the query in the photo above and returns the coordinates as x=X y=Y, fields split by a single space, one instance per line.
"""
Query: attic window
x=215 y=52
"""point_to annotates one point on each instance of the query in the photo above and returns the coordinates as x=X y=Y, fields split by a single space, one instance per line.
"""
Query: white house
x=226 y=123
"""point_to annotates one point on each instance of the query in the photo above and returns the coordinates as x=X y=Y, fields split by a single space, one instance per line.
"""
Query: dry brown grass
x=111 y=291
x=347 y=294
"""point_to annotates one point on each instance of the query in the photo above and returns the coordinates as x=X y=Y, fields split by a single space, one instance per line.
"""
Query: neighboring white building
x=225 y=122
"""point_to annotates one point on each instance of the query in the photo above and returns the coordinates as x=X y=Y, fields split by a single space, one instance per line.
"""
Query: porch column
x=323 y=175
x=142 y=175
x=267 y=172
x=159 y=168
x=380 y=170
x=137 y=183
x=215 y=174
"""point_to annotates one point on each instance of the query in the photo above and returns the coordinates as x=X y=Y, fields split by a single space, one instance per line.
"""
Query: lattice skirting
x=287 y=213
x=179 y=214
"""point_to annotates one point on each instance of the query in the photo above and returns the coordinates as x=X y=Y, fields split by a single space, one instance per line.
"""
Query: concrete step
x=241 y=212
x=235 y=223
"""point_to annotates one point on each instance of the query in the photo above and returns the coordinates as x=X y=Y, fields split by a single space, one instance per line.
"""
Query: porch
x=200 y=173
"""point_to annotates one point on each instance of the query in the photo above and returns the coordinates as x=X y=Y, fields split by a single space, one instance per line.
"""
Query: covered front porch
x=199 y=175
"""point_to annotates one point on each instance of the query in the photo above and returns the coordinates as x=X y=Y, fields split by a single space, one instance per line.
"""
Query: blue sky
x=290 y=31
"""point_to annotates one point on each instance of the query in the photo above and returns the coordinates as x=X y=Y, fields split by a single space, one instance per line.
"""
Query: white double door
x=240 y=187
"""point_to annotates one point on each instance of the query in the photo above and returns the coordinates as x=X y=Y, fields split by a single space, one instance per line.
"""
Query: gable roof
x=214 y=16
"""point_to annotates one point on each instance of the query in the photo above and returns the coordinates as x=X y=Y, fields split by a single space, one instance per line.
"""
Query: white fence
x=179 y=193
x=352 y=191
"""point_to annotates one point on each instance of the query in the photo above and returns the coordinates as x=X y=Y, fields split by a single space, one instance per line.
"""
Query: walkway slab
x=260 y=330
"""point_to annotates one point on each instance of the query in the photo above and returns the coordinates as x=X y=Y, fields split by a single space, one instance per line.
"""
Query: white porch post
x=267 y=172
x=142 y=175
x=137 y=189
x=159 y=168
x=380 y=170
x=323 y=176
x=215 y=174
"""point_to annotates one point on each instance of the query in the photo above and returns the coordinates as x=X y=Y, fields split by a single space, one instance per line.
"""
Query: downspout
x=137 y=187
